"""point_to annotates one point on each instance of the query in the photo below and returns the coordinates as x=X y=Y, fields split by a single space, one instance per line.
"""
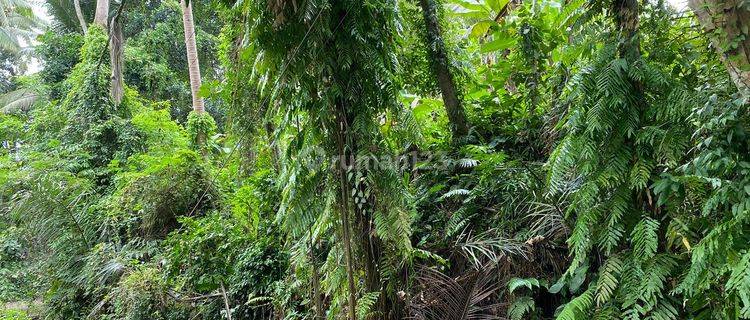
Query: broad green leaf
x=471 y=5
x=479 y=93
x=515 y=283
x=424 y=107
x=556 y=287
x=497 y=5
x=480 y=28
x=502 y=41
x=473 y=14
x=579 y=277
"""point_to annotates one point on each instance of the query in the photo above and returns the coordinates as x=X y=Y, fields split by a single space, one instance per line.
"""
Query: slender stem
x=226 y=302
x=344 y=205
x=315 y=280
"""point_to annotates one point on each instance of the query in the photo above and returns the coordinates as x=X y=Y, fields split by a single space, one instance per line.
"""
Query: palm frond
x=488 y=247
x=17 y=101
x=463 y=298
x=64 y=15
x=8 y=40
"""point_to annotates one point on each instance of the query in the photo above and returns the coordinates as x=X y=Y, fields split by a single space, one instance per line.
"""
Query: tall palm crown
x=18 y=24
x=64 y=13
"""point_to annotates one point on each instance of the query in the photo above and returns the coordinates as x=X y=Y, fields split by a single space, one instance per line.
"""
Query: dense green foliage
x=605 y=175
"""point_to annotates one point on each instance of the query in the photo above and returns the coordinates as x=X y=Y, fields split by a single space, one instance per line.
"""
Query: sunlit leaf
x=501 y=42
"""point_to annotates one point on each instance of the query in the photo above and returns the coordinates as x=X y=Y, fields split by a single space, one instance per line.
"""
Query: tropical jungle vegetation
x=374 y=159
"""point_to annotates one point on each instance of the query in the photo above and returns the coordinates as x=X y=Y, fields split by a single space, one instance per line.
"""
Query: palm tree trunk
x=732 y=20
x=101 y=17
x=439 y=59
x=79 y=14
x=192 y=55
x=116 y=59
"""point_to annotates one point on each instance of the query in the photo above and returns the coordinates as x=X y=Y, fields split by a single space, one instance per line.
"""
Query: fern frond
x=521 y=307
x=608 y=280
x=579 y=307
x=645 y=238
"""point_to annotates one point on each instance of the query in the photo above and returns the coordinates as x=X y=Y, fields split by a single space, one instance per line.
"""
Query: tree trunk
x=628 y=21
x=341 y=172
x=79 y=14
x=319 y=315
x=101 y=17
x=116 y=60
x=732 y=42
x=362 y=228
x=192 y=55
x=439 y=60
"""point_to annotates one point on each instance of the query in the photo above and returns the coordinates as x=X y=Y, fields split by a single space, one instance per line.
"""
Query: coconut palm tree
x=71 y=15
x=192 y=55
x=18 y=24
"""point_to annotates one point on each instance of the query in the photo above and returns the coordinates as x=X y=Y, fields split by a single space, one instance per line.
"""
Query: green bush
x=156 y=190
x=11 y=128
x=14 y=315
x=200 y=128
x=142 y=294
x=202 y=254
x=60 y=52
x=254 y=277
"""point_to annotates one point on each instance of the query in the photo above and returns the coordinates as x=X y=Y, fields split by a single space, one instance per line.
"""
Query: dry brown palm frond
x=547 y=216
x=468 y=297
x=278 y=7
